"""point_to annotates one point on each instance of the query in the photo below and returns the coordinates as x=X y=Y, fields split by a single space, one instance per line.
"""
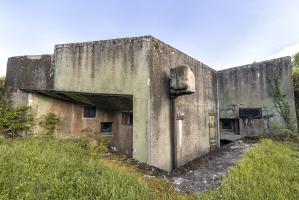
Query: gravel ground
x=207 y=172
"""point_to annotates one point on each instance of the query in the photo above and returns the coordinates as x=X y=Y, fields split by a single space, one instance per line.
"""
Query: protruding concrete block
x=182 y=81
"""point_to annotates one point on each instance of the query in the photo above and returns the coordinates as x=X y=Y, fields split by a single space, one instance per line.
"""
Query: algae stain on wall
x=109 y=67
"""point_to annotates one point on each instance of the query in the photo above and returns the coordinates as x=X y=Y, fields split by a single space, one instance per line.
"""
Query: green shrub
x=279 y=133
x=49 y=123
x=279 y=98
x=97 y=144
x=15 y=121
x=46 y=168
x=296 y=60
x=283 y=134
x=4 y=94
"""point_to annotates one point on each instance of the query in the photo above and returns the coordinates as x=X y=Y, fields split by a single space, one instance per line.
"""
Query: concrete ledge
x=230 y=137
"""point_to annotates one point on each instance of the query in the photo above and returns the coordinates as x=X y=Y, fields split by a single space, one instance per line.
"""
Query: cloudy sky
x=219 y=33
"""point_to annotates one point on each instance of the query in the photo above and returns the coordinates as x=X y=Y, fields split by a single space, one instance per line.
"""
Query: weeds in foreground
x=45 y=168
x=269 y=171
x=55 y=169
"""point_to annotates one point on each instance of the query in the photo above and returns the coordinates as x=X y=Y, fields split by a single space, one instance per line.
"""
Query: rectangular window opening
x=227 y=124
x=253 y=113
x=127 y=118
x=106 y=127
x=90 y=111
x=230 y=125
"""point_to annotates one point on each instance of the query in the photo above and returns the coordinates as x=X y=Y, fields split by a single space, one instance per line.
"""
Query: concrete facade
x=191 y=111
x=124 y=78
x=250 y=87
x=116 y=67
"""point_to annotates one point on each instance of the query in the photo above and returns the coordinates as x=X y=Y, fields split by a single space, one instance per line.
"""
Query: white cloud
x=286 y=51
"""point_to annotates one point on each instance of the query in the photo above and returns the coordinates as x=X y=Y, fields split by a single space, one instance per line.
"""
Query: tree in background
x=296 y=84
x=296 y=72
x=4 y=98
x=296 y=60
x=14 y=121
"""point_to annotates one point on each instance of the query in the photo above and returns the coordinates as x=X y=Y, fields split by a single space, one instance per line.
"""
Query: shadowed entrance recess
x=107 y=115
x=107 y=102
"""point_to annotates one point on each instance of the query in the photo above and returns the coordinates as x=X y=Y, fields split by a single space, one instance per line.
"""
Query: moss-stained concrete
x=133 y=74
x=249 y=87
x=32 y=72
x=110 y=67
x=191 y=111
x=71 y=121
x=28 y=72
x=138 y=67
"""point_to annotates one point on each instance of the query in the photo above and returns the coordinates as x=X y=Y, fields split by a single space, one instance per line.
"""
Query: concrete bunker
x=125 y=88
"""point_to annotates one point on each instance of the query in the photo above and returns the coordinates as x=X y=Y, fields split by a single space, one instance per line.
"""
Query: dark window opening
x=127 y=118
x=225 y=142
x=227 y=124
x=90 y=111
x=255 y=113
x=230 y=125
x=106 y=127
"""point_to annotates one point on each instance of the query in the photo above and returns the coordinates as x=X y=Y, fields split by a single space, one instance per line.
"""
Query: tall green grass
x=269 y=171
x=53 y=169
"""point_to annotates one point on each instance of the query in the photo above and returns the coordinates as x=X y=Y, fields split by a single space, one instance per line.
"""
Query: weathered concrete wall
x=122 y=136
x=73 y=124
x=71 y=120
x=110 y=67
x=28 y=72
x=110 y=73
x=248 y=87
x=122 y=67
x=193 y=140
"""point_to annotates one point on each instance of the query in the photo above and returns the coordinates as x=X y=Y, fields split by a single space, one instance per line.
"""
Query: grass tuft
x=55 y=169
x=269 y=171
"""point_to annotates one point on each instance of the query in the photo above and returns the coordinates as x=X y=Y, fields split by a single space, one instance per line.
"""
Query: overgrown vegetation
x=279 y=99
x=54 y=169
x=283 y=135
x=160 y=189
x=48 y=123
x=296 y=60
x=4 y=99
x=269 y=171
x=98 y=145
x=296 y=83
x=13 y=120
x=46 y=168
